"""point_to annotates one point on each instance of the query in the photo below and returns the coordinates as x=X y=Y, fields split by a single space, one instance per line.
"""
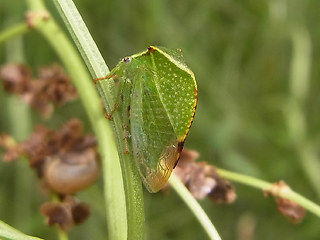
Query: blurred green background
x=257 y=68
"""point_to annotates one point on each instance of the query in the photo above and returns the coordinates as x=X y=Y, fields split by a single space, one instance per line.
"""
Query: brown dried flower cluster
x=66 y=160
x=202 y=179
x=58 y=156
x=293 y=211
x=51 y=87
x=66 y=213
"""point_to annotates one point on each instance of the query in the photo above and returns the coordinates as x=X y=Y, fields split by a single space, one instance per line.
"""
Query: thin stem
x=36 y=5
x=113 y=187
x=13 y=31
x=15 y=112
x=265 y=186
x=247 y=180
x=194 y=207
x=98 y=68
x=62 y=235
x=81 y=35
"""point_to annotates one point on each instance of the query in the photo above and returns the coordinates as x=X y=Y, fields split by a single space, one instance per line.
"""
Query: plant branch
x=194 y=206
x=36 y=5
x=265 y=186
x=13 y=31
x=113 y=186
x=62 y=235
x=96 y=65
x=82 y=38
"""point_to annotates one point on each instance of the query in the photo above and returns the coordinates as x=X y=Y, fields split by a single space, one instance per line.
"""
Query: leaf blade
x=8 y=232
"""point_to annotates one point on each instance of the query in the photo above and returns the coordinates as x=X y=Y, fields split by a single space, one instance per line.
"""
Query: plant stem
x=15 y=111
x=62 y=235
x=13 y=31
x=81 y=36
x=98 y=68
x=113 y=185
x=194 y=207
x=36 y=5
x=265 y=186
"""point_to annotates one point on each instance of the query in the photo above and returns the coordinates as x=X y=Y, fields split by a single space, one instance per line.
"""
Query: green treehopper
x=157 y=97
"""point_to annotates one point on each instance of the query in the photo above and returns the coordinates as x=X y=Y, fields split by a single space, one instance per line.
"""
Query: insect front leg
x=110 y=75
x=118 y=93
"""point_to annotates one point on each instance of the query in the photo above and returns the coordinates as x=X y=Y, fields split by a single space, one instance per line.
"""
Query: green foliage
x=9 y=233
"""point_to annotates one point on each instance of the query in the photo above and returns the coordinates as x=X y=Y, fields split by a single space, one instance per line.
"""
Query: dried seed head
x=72 y=172
x=15 y=78
x=200 y=184
x=223 y=192
x=286 y=207
x=53 y=86
x=80 y=212
x=65 y=214
x=66 y=159
x=57 y=213
x=202 y=179
x=58 y=87
x=293 y=211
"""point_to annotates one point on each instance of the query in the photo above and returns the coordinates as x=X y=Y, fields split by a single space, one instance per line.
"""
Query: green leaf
x=8 y=232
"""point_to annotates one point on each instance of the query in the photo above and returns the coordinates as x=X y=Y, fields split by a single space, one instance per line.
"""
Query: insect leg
x=108 y=116
x=119 y=91
x=113 y=76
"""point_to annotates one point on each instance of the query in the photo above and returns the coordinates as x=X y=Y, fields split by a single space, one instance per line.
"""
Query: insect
x=157 y=97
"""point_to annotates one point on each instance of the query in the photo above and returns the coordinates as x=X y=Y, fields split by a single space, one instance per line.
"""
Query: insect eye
x=127 y=59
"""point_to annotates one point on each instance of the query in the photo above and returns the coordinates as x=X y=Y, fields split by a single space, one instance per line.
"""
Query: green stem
x=15 y=111
x=13 y=31
x=36 y=5
x=98 y=68
x=62 y=235
x=81 y=36
x=113 y=185
x=194 y=206
x=265 y=186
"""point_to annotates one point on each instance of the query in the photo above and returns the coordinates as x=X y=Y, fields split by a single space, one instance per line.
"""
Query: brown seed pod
x=65 y=214
x=71 y=172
